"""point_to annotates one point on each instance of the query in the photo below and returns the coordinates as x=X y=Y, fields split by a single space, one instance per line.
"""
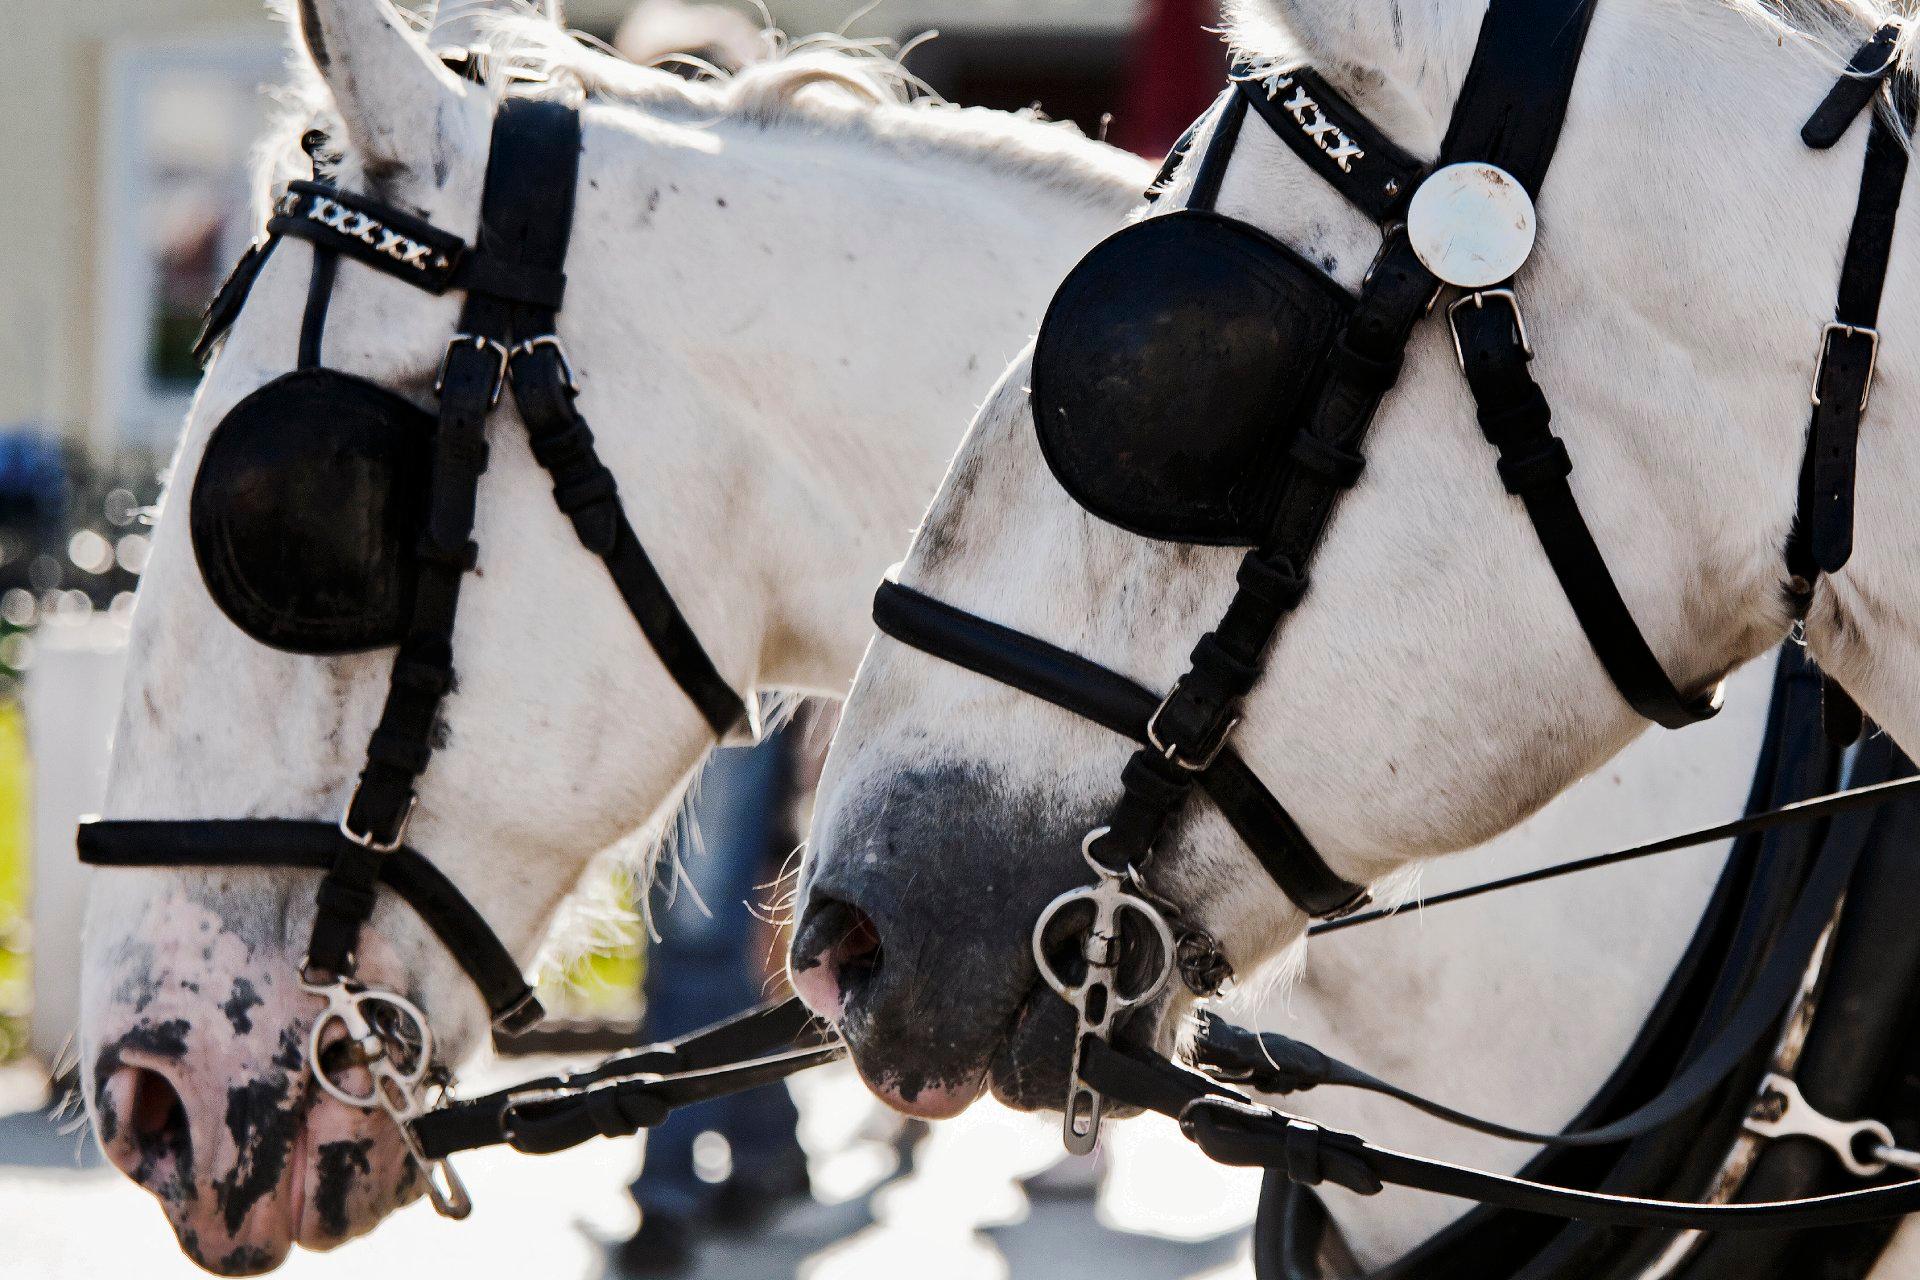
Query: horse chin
x=346 y=1171
x=1029 y=1068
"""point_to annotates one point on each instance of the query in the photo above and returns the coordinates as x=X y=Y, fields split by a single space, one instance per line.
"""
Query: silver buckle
x=367 y=841
x=502 y=357
x=1171 y=751
x=1479 y=299
x=552 y=342
x=1865 y=1147
x=1827 y=335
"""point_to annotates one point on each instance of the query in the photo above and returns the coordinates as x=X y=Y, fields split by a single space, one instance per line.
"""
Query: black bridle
x=514 y=280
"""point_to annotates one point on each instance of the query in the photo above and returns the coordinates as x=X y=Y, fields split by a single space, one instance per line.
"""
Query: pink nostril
x=143 y=1124
x=157 y=1110
x=837 y=949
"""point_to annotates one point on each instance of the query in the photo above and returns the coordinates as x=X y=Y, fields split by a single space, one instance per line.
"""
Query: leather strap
x=635 y=1091
x=1273 y=1063
x=1124 y=707
x=1866 y=71
x=1535 y=466
x=543 y=388
x=317 y=846
x=1822 y=538
x=1232 y=1130
x=1212 y=173
x=362 y=228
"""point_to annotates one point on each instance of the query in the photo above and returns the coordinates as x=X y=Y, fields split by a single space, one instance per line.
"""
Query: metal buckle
x=1479 y=300
x=1827 y=335
x=553 y=343
x=1865 y=1147
x=502 y=357
x=1098 y=999
x=367 y=841
x=1172 y=751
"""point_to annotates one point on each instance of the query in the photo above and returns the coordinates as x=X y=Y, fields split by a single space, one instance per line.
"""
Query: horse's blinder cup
x=1171 y=373
x=305 y=509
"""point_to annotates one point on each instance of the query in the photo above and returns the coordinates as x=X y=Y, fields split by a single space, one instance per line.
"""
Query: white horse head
x=1434 y=688
x=786 y=292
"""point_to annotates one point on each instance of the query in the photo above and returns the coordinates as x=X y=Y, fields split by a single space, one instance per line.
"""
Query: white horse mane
x=815 y=84
x=1828 y=29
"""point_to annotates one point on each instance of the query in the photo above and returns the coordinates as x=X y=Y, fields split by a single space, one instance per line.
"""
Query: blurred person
x=660 y=31
x=714 y=958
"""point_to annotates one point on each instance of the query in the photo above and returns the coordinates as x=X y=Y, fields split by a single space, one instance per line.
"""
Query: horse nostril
x=143 y=1126
x=155 y=1111
x=836 y=951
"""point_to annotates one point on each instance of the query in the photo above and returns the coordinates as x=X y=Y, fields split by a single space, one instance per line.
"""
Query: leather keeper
x=510 y=281
x=1277 y=585
x=1548 y=464
x=1214 y=663
x=1337 y=466
x=589 y=490
x=350 y=901
x=1301 y=1146
x=399 y=752
x=565 y=451
x=1374 y=373
x=431 y=678
x=1527 y=416
x=467 y=451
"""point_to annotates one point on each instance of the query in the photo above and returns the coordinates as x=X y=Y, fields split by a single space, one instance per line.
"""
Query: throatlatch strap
x=1535 y=466
x=1822 y=539
x=318 y=846
x=543 y=388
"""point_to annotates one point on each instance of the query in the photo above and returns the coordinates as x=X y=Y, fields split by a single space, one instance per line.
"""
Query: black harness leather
x=377 y=553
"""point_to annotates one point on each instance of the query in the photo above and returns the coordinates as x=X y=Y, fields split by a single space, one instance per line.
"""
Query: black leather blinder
x=306 y=508
x=1172 y=371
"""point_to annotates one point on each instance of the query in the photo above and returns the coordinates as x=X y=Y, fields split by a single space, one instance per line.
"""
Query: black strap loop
x=1339 y=467
x=1547 y=464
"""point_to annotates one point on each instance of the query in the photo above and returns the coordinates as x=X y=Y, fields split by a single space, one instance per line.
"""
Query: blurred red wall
x=1176 y=66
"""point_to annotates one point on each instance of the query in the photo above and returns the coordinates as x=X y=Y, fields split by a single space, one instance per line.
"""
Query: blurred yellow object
x=16 y=803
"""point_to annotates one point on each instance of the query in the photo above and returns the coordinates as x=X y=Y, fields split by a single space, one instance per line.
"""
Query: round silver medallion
x=1471 y=224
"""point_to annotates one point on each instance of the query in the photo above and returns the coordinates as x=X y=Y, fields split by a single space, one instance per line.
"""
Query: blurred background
x=121 y=208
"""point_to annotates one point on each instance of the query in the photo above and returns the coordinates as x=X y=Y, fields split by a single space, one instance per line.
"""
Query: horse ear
x=392 y=94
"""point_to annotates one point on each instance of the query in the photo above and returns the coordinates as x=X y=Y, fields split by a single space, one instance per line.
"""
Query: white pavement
x=1165 y=1213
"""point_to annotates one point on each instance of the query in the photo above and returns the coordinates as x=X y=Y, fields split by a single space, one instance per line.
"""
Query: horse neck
x=1521 y=1004
x=827 y=400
